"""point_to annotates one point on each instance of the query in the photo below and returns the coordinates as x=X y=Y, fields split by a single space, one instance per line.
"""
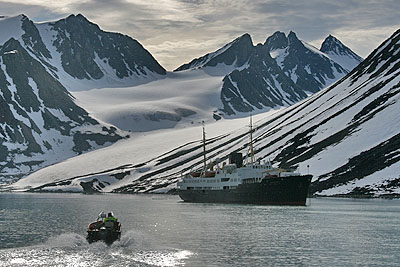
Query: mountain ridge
x=234 y=53
x=81 y=55
x=250 y=85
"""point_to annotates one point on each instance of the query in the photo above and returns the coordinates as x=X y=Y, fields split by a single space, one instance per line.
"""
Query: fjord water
x=160 y=230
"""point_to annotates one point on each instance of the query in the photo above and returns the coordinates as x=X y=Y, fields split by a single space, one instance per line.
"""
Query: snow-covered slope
x=181 y=99
x=348 y=134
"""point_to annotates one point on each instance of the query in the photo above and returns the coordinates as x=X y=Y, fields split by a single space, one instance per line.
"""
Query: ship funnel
x=236 y=158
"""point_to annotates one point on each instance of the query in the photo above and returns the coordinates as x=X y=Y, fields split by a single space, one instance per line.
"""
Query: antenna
x=251 y=141
x=204 y=148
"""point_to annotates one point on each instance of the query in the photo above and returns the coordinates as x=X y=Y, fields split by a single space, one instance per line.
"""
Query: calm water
x=49 y=230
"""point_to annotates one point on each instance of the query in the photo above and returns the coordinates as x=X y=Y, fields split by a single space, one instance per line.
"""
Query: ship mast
x=251 y=141
x=204 y=149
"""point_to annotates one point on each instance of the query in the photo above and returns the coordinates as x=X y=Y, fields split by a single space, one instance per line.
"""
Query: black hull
x=291 y=190
x=103 y=235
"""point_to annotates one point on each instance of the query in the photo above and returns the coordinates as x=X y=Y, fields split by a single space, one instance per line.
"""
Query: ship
x=244 y=182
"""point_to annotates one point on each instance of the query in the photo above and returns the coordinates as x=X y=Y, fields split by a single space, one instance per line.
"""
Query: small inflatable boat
x=106 y=229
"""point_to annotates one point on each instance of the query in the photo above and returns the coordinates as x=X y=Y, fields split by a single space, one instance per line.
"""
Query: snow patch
x=11 y=27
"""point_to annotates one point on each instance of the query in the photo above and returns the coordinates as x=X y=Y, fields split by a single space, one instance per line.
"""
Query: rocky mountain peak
x=79 y=20
x=234 y=53
x=340 y=53
x=22 y=16
x=292 y=38
x=84 y=47
x=330 y=40
x=245 y=38
x=81 y=50
x=332 y=45
x=81 y=17
x=277 y=40
x=16 y=17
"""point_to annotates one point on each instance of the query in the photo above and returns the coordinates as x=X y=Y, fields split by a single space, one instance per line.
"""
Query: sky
x=177 y=31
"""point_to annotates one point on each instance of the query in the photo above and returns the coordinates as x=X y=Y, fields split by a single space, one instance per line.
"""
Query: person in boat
x=99 y=222
x=110 y=217
x=102 y=216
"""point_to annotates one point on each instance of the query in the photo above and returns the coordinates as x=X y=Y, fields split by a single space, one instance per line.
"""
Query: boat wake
x=71 y=249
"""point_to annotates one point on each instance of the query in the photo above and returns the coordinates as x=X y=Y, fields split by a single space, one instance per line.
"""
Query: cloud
x=176 y=31
x=34 y=11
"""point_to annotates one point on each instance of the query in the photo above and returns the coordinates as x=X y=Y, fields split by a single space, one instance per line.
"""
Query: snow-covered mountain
x=340 y=53
x=261 y=86
x=275 y=74
x=40 y=122
x=82 y=56
x=347 y=135
x=235 y=54
x=308 y=68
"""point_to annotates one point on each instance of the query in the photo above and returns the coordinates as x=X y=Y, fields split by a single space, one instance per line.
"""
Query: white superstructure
x=230 y=176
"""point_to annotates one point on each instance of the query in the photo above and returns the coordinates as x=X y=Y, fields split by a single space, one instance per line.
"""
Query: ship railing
x=286 y=174
x=206 y=175
x=252 y=180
